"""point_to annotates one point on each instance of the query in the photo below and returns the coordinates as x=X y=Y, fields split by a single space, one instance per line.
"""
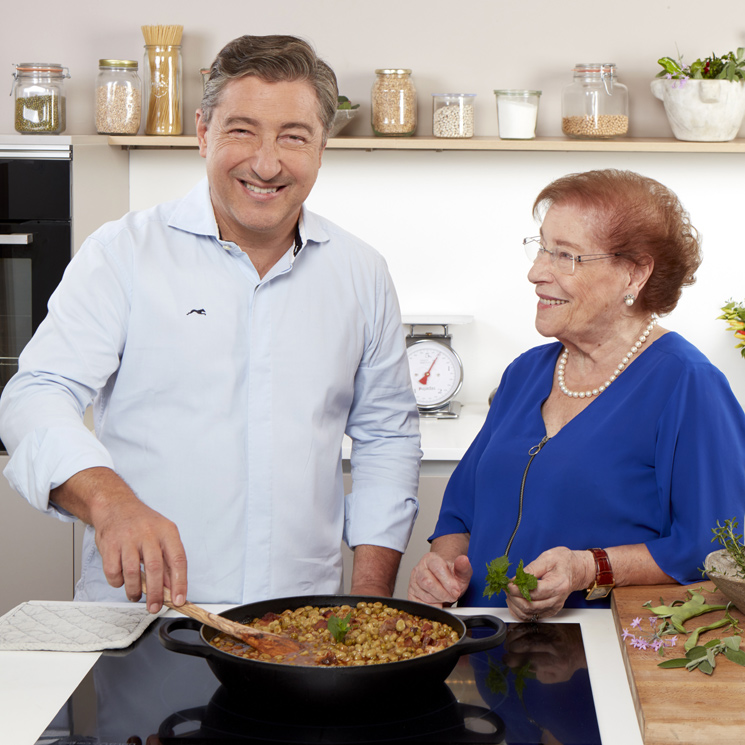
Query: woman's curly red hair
x=639 y=219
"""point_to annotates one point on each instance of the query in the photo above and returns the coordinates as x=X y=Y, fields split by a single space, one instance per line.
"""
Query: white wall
x=450 y=225
x=470 y=46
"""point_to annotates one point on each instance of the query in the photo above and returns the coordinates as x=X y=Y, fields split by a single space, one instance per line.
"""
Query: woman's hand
x=559 y=572
x=436 y=581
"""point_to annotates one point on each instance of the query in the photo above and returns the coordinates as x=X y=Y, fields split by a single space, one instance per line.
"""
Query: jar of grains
x=393 y=103
x=595 y=105
x=118 y=97
x=40 y=97
x=452 y=114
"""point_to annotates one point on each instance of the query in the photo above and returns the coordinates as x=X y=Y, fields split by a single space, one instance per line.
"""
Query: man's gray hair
x=272 y=59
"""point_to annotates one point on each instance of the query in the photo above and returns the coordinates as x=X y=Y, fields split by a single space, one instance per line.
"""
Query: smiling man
x=227 y=341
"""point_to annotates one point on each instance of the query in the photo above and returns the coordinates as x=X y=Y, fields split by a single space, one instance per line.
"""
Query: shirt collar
x=194 y=214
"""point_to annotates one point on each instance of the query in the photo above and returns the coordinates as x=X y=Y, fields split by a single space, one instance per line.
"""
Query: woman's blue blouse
x=658 y=458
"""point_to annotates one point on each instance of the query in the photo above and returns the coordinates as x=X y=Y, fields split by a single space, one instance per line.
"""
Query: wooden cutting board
x=677 y=706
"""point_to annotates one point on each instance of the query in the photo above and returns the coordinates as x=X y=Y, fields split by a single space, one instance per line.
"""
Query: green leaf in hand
x=525 y=582
x=496 y=576
x=338 y=627
x=497 y=579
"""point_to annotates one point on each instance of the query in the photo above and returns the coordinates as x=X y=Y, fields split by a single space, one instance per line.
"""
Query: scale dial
x=436 y=373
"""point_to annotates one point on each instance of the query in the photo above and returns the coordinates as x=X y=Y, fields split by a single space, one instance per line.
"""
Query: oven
x=35 y=243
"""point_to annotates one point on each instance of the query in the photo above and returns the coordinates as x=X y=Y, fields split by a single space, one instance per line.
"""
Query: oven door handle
x=16 y=239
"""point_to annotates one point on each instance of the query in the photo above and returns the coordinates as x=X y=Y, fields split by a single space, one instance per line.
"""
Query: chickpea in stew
x=367 y=634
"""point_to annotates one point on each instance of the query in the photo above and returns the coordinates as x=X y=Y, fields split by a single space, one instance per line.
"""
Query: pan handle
x=179 y=645
x=469 y=644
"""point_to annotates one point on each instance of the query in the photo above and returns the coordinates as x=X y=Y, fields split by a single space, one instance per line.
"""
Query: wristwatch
x=604 y=581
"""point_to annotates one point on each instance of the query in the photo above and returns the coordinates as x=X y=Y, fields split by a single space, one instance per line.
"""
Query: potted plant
x=704 y=101
x=345 y=112
x=726 y=567
x=734 y=314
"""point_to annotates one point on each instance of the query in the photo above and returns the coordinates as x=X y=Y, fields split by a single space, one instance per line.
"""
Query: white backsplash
x=450 y=225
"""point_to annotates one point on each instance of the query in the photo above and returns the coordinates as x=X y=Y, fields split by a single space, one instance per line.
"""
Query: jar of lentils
x=39 y=90
x=452 y=114
x=118 y=97
x=393 y=103
x=595 y=105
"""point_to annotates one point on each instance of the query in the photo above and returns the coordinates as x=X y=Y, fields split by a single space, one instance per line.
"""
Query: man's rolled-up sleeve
x=384 y=427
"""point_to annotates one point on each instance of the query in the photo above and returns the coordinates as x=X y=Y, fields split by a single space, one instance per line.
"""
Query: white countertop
x=35 y=685
x=445 y=439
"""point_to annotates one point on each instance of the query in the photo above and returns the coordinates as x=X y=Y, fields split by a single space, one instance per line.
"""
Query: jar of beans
x=118 y=97
x=39 y=89
x=452 y=114
x=595 y=105
x=393 y=103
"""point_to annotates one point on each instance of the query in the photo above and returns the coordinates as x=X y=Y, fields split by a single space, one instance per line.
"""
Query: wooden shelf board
x=539 y=144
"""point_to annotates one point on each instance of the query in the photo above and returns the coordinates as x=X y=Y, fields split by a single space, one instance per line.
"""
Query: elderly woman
x=607 y=457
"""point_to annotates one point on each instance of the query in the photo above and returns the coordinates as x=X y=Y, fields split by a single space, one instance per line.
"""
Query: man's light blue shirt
x=222 y=399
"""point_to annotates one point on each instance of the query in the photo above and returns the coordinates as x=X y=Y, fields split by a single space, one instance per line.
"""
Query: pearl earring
x=629 y=300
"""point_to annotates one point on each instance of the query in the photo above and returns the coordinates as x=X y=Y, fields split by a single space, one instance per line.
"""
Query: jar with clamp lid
x=39 y=90
x=595 y=105
x=394 y=105
x=118 y=97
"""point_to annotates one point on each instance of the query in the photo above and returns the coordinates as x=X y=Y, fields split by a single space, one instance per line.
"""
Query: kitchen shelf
x=539 y=144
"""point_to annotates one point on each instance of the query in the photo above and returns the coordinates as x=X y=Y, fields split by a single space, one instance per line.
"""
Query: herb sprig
x=497 y=579
x=339 y=627
x=730 y=539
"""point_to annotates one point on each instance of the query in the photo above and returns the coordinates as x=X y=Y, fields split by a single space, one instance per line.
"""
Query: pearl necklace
x=619 y=369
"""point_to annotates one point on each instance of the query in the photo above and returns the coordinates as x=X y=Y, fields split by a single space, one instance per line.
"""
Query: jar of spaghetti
x=163 y=89
x=39 y=90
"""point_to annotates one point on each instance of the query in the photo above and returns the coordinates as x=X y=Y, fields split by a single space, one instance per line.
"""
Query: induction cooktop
x=534 y=688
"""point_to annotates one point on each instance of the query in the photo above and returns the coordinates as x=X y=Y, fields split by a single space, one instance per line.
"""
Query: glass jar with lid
x=452 y=114
x=118 y=97
x=394 y=104
x=39 y=91
x=595 y=105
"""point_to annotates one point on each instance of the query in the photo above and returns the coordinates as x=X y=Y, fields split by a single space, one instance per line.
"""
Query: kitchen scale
x=436 y=369
x=534 y=688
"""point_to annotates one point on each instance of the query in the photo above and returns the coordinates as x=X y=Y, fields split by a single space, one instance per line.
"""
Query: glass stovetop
x=534 y=688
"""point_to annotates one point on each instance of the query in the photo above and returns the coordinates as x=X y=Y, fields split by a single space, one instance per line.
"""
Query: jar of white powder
x=517 y=113
x=452 y=114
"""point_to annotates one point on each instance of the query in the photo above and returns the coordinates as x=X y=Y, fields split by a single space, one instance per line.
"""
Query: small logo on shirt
x=200 y=311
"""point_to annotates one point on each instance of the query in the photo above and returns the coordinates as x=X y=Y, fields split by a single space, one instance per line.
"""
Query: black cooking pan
x=332 y=683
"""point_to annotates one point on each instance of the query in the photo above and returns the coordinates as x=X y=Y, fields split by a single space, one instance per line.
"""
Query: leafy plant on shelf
x=730 y=66
x=344 y=103
x=497 y=579
x=734 y=314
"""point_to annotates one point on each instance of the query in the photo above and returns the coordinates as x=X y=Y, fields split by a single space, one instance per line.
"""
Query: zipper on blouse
x=532 y=453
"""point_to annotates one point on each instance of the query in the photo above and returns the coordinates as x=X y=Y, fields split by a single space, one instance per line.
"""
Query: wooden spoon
x=263 y=641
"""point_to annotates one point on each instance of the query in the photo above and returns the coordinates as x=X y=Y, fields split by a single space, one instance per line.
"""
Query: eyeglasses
x=563 y=260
